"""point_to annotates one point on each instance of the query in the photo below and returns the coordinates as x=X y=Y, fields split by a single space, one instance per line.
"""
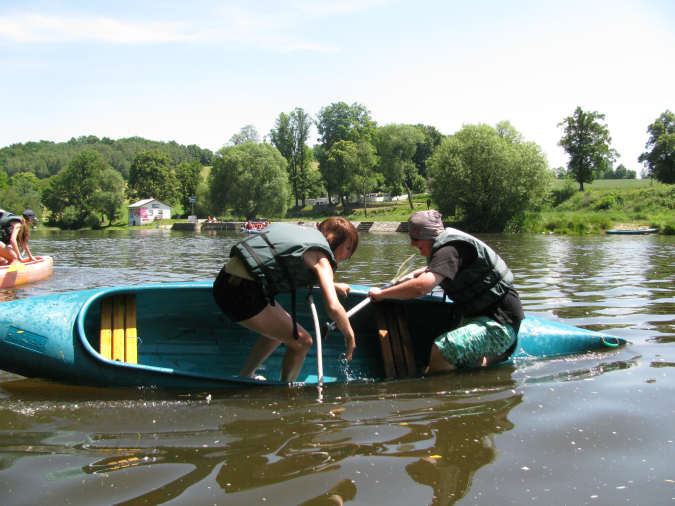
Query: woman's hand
x=342 y=289
x=375 y=294
x=318 y=262
x=350 y=344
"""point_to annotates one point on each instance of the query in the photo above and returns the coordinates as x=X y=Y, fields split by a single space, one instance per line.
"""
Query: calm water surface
x=595 y=429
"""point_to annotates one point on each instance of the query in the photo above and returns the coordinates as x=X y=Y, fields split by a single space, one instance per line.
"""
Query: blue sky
x=196 y=72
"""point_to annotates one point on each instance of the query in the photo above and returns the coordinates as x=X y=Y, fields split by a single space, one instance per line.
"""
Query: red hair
x=338 y=231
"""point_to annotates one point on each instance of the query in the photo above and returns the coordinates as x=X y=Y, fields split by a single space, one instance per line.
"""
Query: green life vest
x=482 y=283
x=274 y=258
x=7 y=225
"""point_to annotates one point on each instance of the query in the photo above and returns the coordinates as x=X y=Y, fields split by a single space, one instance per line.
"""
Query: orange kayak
x=25 y=272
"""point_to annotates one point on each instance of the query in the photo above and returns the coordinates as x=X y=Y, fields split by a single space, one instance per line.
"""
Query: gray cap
x=425 y=225
x=29 y=215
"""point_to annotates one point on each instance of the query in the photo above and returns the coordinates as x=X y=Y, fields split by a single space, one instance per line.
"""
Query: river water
x=594 y=429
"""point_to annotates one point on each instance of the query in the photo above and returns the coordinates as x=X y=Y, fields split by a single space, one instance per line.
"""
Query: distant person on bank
x=260 y=267
x=14 y=234
x=478 y=282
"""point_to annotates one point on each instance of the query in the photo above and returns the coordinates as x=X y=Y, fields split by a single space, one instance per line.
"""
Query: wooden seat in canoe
x=397 y=350
x=118 y=328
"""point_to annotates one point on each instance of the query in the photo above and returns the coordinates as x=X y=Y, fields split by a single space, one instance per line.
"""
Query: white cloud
x=338 y=6
x=37 y=28
x=231 y=26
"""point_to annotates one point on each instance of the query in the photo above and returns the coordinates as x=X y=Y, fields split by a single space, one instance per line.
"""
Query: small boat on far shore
x=254 y=225
x=25 y=272
x=635 y=231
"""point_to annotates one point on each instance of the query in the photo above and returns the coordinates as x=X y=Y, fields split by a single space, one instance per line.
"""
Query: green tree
x=151 y=176
x=489 y=174
x=189 y=177
x=659 y=160
x=340 y=165
x=251 y=179
x=396 y=146
x=76 y=186
x=586 y=141
x=301 y=123
x=341 y=122
x=54 y=196
x=426 y=148
x=366 y=178
x=15 y=199
x=621 y=172
x=26 y=180
x=289 y=136
x=246 y=134
x=110 y=199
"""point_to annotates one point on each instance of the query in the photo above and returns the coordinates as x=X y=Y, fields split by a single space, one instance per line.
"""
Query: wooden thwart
x=397 y=350
x=118 y=328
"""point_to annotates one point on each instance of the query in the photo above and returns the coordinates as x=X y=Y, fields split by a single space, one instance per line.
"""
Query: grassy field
x=611 y=184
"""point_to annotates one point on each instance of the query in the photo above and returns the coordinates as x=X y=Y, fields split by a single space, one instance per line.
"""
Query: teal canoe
x=635 y=231
x=180 y=338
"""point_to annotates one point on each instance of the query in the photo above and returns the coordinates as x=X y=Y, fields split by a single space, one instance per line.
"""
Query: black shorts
x=238 y=298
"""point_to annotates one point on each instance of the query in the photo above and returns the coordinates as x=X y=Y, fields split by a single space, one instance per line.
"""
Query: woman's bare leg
x=7 y=252
x=275 y=324
x=262 y=349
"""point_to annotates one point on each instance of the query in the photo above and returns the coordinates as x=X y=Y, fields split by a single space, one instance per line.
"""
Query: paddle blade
x=405 y=268
x=15 y=267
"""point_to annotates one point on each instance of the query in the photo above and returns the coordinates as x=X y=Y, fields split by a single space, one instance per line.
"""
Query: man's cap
x=425 y=225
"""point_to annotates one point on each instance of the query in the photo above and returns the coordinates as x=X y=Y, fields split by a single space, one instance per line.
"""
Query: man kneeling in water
x=478 y=282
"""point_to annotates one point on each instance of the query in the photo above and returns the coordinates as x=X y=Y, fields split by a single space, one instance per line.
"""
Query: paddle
x=405 y=268
x=317 y=329
x=16 y=267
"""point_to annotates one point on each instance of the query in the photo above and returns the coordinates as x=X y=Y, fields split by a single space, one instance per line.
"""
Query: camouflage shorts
x=476 y=338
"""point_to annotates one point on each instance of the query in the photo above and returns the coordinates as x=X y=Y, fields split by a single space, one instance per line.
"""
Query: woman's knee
x=303 y=342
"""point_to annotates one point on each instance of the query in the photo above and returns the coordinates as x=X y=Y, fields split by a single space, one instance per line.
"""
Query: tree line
x=46 y=158
x=487 y=175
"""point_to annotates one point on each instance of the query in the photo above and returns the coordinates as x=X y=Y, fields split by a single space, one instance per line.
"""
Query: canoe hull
x=184 y=341
x=26 y=272
x=639 y=231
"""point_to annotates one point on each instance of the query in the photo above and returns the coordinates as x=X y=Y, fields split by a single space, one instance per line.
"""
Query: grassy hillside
x=611 y=184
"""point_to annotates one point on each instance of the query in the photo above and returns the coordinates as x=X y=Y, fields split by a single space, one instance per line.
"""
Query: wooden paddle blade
x=105 y=345
x=130 y=334
x=15 y=267
x=118 y=328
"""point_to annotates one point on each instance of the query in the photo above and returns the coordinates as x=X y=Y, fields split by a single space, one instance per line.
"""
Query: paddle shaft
x=319 y=350
x=330 y=327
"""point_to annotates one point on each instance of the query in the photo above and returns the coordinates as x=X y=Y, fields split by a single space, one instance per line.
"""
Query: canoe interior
x=183 y=330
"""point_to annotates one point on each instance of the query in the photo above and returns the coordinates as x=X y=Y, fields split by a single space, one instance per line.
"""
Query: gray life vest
x=480 y=284
x=7 y=225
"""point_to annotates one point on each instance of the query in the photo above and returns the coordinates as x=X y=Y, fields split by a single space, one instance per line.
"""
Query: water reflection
x=258 y=446
x=435 y=440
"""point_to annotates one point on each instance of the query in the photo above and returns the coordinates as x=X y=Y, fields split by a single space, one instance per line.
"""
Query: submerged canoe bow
x=173 y=335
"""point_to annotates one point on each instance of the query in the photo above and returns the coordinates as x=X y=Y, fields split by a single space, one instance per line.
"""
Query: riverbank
x=361 y=226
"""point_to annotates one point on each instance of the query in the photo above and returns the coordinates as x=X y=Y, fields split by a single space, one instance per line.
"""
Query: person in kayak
x=14 y=234
x=281 y=259
x=487 y=309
